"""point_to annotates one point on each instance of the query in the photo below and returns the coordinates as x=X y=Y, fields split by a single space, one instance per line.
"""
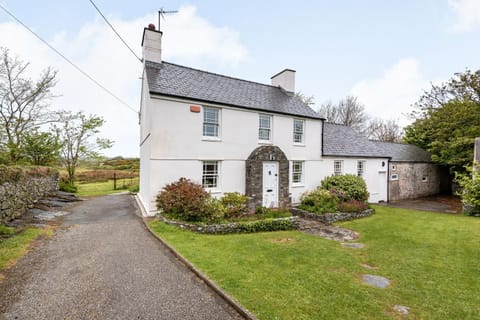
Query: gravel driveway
x=103 y=264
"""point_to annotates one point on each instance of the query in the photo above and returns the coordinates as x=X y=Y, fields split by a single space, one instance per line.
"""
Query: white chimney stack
x=285 y=79
x=152 y=44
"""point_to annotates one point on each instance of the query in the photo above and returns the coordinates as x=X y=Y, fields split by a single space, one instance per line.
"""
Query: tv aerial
x=161 y=15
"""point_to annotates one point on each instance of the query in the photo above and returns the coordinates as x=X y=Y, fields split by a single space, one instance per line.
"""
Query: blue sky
x=384 y=52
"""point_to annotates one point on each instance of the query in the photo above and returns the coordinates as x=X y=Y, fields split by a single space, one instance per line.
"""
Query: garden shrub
x=470 y=183
x=352 y=206
x=346 y=187
x=186 y=200
x=266 y=225
x=213 y=210
x=235 y=204
x=64 y=185
x=134 y=188
x=319 y=201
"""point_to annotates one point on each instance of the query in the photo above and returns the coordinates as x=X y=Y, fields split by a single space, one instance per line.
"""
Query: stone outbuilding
x=411 y=172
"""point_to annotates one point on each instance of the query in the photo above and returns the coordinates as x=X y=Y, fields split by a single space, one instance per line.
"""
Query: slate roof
x=178 y=81
x=404 y=152
x=340 y=140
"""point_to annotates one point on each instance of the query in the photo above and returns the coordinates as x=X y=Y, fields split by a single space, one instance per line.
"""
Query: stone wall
x=329 y=218
x=416 y=180
x=232 y=227
x=16 y=197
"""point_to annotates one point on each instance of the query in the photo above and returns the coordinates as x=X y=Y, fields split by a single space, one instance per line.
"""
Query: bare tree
x=309 y=100
x=384 y=130
x=23 y=102
x=349 y=112
x=76 y=134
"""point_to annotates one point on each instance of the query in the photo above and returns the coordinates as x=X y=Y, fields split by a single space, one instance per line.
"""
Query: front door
x=270 y=184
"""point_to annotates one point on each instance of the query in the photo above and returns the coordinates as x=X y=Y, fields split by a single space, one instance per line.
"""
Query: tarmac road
x=103 y=264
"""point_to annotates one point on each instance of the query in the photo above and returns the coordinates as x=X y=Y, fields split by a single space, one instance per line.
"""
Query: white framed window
x=394 y=177
x=264 y=127
x=298 y=131
x=360 y=168
x=338 y=167
x=211 y=122
x=210 y=174
x=297 y=172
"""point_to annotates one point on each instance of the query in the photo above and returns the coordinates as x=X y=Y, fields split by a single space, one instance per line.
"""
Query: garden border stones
x=329 y=218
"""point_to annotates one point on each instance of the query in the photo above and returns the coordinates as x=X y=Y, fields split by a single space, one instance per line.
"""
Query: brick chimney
x=285 y=79
x=152 y=44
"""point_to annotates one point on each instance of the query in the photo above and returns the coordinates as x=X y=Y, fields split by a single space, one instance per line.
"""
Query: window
x=424 y=178
x=211 y=122
x=210 y=174
x=298 y=130
x=394 y=177
x=264 y=127
x=360 y=168
x=338 y=167
x=297 y=172
x=394 y=167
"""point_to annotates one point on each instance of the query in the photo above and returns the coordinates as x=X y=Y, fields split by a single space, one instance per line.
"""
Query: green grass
x=102 y=188
x=432 y=259
x=16 y=245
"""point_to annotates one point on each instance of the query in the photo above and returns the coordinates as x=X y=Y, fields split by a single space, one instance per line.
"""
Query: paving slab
x=103 y=264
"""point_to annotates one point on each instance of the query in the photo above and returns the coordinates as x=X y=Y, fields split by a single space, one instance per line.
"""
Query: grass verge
x=432 y=260
x=16 y=245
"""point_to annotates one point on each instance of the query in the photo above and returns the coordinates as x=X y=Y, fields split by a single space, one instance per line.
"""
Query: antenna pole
x=161 y=15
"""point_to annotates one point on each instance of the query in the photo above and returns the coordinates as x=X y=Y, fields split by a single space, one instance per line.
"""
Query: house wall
x=176 y=148
x=375 y=174
x=416 y=180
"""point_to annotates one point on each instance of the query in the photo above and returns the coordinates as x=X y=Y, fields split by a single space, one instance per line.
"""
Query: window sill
x=264 y=142
x=296 y=144
x=298 y=185
x=211 y=139
x=213 y=190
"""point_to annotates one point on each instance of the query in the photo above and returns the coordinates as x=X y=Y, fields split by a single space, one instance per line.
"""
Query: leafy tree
x=23 y=102
x=470 y=183
x=384 y=130
x=448 y=131
x=349 y=112
x=41 y=148
x=76 y=136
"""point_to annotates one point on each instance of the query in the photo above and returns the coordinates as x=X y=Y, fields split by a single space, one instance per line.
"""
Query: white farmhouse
x=231 y=135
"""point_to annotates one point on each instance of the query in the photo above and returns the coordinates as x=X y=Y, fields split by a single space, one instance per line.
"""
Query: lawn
x=104 y=188
x=14 y=245
x=432 y=259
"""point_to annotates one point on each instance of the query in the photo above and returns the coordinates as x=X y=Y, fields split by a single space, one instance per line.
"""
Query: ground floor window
x=210 y=174
x=297 y=171
x=338 y=167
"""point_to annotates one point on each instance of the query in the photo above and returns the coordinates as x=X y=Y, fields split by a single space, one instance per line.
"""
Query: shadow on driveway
x=441 y=203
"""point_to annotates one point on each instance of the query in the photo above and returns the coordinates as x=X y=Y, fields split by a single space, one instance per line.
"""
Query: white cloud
x=95 y=49
x=467 y=12
x=391 y=95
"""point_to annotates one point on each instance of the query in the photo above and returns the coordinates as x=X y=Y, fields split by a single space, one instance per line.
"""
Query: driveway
x=103 y=264
x=444 y=204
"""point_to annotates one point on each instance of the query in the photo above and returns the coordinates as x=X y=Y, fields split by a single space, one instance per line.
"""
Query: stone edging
x=329 y=218
x=232 y=302
x=220 y=228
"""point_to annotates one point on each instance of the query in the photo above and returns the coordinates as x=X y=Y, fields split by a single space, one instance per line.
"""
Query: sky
x=384 y=52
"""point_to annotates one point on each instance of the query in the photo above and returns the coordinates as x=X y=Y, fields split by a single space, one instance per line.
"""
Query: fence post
x=114 y=180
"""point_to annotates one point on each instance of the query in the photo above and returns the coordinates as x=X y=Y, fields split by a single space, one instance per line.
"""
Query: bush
x=319 y=201
x=346 y=187
x=470 y=183
x=134 y=188
x=352 y=206
x=266 y=225
x=186 y=200
x=67 y=187
x=235 y=204
x=213 y=210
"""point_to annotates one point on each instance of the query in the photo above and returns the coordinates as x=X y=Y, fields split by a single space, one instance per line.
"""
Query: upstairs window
x=360 y=168
x=210 y=174
x=337 y=167
x=298 y=128
x=211 y=122
x=264 y=127
x=297 y=172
